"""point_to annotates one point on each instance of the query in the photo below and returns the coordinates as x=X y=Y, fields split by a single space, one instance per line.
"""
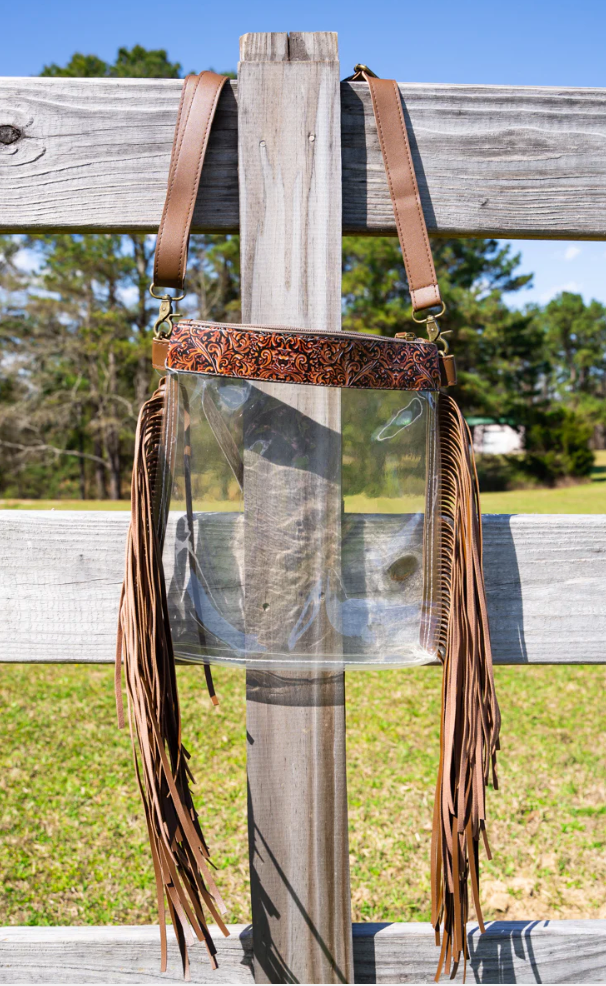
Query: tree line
x=75 y=338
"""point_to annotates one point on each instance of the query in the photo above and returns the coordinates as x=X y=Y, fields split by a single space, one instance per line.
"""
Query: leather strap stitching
x=184 y=175
x=421 y=226
x=197 y=107
x=398 y=218
x=172 y=171
x=415 y=187
x=198 y=171
x=186 y=229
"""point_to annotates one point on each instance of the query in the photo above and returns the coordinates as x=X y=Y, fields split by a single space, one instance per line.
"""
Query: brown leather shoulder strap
x=404 y=191
x=199 y=100
x=197 y=108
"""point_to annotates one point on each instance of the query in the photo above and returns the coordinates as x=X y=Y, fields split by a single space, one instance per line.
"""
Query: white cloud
x=128 y=295
x=27 y=261
x=572 y=286
x=571 y=252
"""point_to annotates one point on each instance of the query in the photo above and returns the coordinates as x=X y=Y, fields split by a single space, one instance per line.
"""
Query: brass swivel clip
x=166 y=316
x=434 y=332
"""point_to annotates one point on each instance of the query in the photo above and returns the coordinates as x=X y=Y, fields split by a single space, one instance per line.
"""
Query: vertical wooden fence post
x=290 y=227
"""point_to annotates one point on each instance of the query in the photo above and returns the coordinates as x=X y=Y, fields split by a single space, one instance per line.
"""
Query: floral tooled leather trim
x=293 y=356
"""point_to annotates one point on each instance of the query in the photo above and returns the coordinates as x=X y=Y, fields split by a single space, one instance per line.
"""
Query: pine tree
x=76 y=347
x=499 y=351
x=75 y=337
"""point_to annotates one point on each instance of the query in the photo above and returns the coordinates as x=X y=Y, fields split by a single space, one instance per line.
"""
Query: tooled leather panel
x=295 y=357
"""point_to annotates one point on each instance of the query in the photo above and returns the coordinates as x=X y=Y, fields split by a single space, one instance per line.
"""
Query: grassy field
x=73 y=848
x=583 y=498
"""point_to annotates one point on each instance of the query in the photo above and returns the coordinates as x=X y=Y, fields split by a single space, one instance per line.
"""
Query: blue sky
x=535 y=42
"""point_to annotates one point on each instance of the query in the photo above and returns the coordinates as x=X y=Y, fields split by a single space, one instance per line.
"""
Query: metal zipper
x=298 y=331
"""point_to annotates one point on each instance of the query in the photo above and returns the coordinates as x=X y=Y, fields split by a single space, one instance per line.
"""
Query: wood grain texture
x=94 y=155
x=509 y=952
x=290 y=250
x=546 y=582
x=490 y=160
x=61 y=571
x=117 y=954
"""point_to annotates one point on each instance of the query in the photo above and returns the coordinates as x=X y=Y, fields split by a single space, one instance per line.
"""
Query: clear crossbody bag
x=339 y=565
x=303 y=499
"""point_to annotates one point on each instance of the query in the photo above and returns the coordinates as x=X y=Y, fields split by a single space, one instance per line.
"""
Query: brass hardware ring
x=159 y=297
x=429 y=318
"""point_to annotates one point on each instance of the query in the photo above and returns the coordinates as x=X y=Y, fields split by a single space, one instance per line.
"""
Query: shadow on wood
x=504 y=590
x=270 y=958
x=510 y=952
x=61 y=572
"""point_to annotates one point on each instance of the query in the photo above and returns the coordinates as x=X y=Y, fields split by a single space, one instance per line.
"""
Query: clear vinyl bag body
x=288 y=543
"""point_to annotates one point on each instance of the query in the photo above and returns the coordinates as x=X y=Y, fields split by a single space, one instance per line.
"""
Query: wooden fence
x=79 y=154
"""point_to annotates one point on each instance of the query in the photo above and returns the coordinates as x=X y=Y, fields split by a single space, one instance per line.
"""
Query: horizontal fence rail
x=61 y=571
x=509 y=952
x=93 y=154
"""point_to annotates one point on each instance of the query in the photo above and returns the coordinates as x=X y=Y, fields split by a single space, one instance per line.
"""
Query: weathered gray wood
x=491 y=160
x=93 y=155
x=61 y=571
x=117 y=954
x=509 y=952
x=290 y=247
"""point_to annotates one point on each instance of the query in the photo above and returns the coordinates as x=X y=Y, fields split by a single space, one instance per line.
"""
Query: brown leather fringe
x=180 y=855
x=469 y=734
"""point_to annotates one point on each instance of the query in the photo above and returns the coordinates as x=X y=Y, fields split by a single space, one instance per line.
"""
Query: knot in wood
x=9 y=134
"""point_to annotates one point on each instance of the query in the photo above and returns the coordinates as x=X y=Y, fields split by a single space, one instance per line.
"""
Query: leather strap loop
x=199 y=100
x=197 y=108
x=404 y=191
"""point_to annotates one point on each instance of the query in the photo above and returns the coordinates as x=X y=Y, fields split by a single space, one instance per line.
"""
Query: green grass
x=10 y=504
x=581 y=498
x=73 y=849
